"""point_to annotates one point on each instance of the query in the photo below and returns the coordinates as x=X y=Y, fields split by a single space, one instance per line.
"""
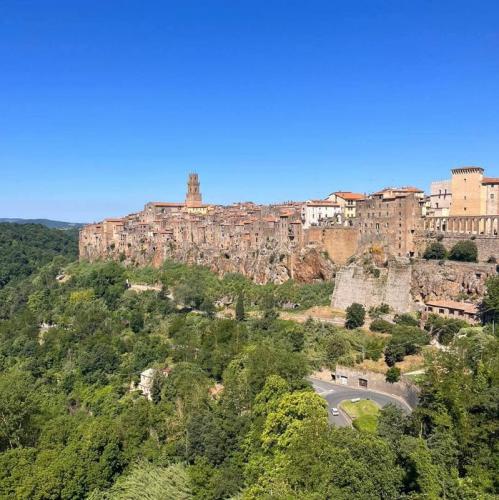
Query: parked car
x=335 y=412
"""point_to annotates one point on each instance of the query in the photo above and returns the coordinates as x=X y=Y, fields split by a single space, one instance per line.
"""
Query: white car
x=335 y=412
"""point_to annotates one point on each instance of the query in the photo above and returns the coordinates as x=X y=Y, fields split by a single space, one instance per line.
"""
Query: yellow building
x=472 y=193
x=347 y=201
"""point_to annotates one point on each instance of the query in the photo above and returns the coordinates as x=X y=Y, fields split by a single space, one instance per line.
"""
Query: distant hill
x=55 y=224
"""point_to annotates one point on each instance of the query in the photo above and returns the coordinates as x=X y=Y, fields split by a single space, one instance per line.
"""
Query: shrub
x=394 y=353
x=405 y=340
x=356 y=315
x=336 y=347
x=381 y=325
x=374 y=349
x=377 y=311
x=435 y=251
x=406 y=319
x=392 y=375
x=464 y=251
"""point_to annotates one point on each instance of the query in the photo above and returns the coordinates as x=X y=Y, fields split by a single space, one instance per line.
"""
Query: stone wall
x=359 y=282
x=339 y=242
x=404 y=389
x=376 y=381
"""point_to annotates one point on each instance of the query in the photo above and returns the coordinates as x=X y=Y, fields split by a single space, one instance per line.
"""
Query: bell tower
x=193 y=197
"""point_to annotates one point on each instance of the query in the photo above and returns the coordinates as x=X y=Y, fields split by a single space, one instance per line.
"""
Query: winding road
x=334 y=394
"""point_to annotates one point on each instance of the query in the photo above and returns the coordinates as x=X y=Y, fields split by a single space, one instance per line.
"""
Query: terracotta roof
x=490 y=180
x=348 y=195
x=452 y=304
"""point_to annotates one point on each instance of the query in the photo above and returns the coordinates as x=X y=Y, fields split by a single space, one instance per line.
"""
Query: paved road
x=334 y=394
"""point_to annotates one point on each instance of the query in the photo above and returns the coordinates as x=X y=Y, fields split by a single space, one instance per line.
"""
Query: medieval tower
x=193 y=197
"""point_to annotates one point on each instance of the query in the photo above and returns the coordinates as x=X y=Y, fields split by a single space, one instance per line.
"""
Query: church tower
x=193 y=197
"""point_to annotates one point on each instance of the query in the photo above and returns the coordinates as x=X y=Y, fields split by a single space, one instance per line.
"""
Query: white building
x=440 y=198
x=146 y=380
x=314 y=212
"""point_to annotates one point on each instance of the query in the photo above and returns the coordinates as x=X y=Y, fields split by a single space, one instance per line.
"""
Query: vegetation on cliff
x=463 y=251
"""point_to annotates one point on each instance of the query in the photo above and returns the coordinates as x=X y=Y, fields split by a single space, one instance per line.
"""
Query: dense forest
x=24 y=248
x=231 y=414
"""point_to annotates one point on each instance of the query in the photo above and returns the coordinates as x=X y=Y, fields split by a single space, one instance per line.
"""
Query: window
x=362 y=382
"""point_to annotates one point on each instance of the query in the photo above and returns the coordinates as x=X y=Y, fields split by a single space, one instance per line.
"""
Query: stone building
x=472 y=193
x=390 y=218
x=193 y=199
x=440 y=198
x=453 y=309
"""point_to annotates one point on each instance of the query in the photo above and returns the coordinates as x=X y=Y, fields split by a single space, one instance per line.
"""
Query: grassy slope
x=364 y=414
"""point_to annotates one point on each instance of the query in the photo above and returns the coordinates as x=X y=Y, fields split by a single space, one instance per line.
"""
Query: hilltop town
x=372 y=243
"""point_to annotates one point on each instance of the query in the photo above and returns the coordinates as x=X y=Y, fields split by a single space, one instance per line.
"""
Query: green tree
x=392 y=374
x=240 y=314
x=464 y=251
x=490 y=304
x=355 y=317
x=152 y=482
x=435 y=251
x=284 y=421
x=18 y=409
x=157 y=387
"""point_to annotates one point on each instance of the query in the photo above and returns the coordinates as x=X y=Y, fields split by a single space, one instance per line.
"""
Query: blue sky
x=105 y=105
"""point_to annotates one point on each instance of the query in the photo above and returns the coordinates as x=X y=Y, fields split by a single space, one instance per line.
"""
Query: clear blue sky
x=105 y=105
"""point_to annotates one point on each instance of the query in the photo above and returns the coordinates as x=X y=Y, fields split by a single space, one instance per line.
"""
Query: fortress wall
x=356 y=283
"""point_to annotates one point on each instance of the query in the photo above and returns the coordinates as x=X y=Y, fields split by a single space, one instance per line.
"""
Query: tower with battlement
x=193 y=197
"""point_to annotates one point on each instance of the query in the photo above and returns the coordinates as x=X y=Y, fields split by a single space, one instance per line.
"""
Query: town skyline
x=178 y=189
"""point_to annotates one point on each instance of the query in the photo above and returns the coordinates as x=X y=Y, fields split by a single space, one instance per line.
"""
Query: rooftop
x=453 y=304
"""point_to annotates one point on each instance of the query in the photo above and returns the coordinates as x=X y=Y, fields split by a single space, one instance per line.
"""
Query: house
x=453 y=309
x=347 y=202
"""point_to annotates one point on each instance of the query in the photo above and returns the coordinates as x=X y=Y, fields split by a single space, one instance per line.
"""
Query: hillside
x=228 y=412
x=24 y=248
x=55 y=224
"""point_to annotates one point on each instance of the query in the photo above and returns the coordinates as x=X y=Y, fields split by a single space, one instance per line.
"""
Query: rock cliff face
x=405 y=286
x=271 y=262
x=432 y=280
